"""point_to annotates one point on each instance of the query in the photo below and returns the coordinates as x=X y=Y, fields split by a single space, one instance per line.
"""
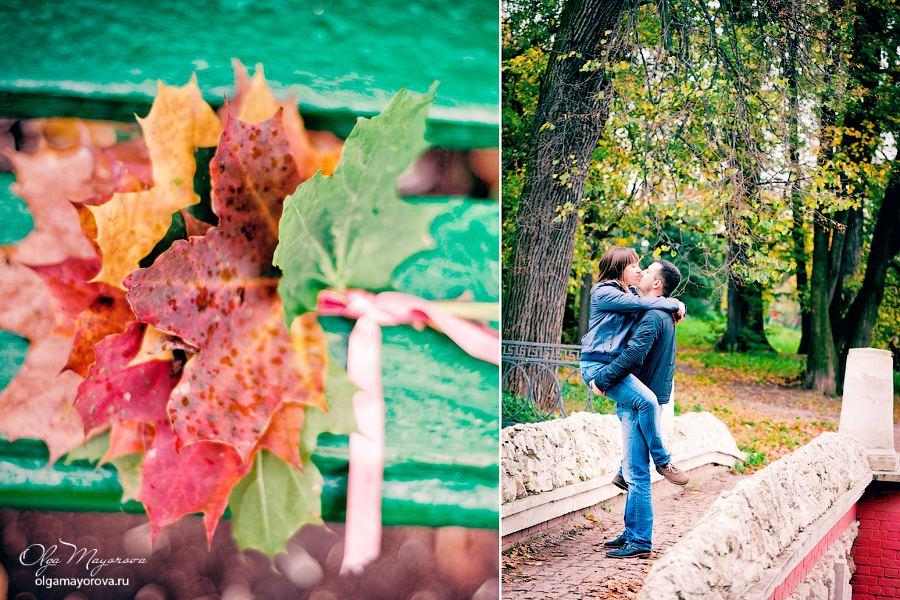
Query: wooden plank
x=342 y=59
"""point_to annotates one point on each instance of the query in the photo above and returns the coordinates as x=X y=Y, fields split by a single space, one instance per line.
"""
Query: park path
x=571 y=562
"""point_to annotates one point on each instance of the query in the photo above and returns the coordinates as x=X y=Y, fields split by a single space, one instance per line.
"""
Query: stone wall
x=541 y=457
x=830 y=577
x=748 y=530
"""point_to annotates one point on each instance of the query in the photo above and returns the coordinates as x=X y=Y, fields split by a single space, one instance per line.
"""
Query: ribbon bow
x=362 y=540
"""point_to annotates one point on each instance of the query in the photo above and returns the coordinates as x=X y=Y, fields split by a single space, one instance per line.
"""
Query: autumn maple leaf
x=173 y=484
x=33 y=403
x=91 y=311
x=51 y=182
x=253 y=102
x=131 y=224
x=219 y=294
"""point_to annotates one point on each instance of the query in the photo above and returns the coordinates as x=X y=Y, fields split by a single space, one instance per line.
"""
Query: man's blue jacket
x=649 y=355
x=613 y=314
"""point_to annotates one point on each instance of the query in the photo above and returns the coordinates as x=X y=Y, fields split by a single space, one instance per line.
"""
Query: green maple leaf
x=274 y=500
x=92 y=450
x=339 y=419
x=130 y=469
x=352 y=230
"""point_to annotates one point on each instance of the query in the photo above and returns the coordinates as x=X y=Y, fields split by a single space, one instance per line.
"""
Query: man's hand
x=682 y=311
x=596 y=389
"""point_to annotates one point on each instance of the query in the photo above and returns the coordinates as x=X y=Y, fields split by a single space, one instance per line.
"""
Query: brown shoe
x=673 y=474
x=620 y=482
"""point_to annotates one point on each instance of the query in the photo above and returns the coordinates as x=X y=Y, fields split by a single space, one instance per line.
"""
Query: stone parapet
x=555 y=469
x=542 y=457
x=754 y=536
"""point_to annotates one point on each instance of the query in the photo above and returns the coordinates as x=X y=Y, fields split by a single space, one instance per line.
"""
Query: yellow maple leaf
x=131 y=224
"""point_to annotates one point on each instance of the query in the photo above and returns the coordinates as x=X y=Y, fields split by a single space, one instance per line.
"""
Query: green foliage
x=755 y=459
x=693 y=164
x=521 y=88
x=785 y=340
x=697 y=333
x=513 y=404
x=352 y=230
x=887 y=324
x=529 y=24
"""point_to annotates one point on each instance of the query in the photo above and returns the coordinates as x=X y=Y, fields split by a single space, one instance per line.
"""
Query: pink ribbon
x=362 y=540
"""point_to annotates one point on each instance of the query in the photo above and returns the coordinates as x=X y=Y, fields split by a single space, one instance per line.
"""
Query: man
x=650 y=355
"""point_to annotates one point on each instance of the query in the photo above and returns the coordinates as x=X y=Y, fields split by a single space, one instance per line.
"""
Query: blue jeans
x=632 y=393
x=636 y=471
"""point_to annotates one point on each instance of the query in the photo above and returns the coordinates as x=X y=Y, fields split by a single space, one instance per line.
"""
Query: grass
x=697 y=334
x=512 y=404
x=694 y=333
x=784 y=339
x=755 y=460
x=763 y=367
x=575 y=395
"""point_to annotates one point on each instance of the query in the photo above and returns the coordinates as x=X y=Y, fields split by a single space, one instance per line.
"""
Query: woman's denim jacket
x=613 y=314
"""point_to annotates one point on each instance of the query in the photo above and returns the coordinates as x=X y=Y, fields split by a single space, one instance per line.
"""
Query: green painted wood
x=441 y=430
x=15 y=220
x=442 y=421
x=343 y=58
x=26 y=483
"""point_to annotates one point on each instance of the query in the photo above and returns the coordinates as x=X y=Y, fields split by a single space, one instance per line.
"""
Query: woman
x=615 y=308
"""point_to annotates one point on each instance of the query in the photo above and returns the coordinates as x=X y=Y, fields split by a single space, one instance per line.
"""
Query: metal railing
x=535 y=367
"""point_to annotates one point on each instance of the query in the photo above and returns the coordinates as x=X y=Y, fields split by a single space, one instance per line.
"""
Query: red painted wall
x=799 y=573
x=876 y=551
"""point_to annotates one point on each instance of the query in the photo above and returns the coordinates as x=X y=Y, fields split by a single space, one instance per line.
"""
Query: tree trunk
x=798 y=232
x=745 y=329
x=821 y=362
x=746 y=320
x=584 y=304
x=841 y=258
x=863 y=312
x=845 y=258
x=570 y=118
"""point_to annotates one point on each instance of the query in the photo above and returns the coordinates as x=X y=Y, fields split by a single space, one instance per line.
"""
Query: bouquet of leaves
x=180 y=338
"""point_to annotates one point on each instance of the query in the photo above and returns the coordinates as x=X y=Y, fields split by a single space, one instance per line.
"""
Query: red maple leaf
x=113 y=391
x=219 y=293
x=91 y=310
x=198 y=479
x=33 y=404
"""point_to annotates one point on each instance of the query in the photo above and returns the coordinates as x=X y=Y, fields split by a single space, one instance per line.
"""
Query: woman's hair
x=612 y=265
